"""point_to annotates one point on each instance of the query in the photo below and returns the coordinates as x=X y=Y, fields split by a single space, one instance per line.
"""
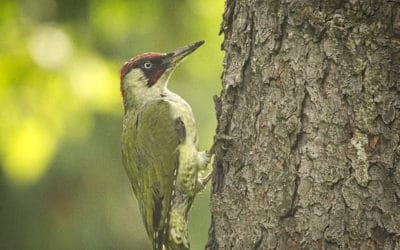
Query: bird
x=160 y=147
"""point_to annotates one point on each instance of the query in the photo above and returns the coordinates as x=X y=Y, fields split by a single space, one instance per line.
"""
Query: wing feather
x=151 y=137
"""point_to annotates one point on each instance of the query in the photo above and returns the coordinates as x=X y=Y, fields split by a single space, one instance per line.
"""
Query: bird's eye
x=147 y=65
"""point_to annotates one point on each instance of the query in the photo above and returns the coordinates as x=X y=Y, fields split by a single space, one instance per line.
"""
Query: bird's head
x=145 y=76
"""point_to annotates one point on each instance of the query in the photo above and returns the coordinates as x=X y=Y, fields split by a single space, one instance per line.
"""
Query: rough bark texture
x=307 y=152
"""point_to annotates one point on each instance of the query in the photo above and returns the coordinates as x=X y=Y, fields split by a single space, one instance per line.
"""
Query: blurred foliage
x=62 y=185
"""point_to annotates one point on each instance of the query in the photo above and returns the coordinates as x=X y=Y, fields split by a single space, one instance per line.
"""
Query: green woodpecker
x=159 y=147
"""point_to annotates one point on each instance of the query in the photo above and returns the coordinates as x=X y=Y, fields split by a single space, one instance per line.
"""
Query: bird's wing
x=151 y=158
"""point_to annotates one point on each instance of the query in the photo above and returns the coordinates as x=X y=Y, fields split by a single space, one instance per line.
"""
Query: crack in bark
x=227 y=17
x=218 y=176
x=326 y=70
x=257 y=119
x=295 y=147
x=250 y=51
x=292 y=210
x=281 y=32
x=258 y=243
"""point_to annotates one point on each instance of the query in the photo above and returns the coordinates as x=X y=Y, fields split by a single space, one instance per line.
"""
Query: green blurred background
x=62 y=185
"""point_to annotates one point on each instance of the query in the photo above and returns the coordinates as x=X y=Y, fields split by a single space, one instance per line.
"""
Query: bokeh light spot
x=94 y=83
x=50 y=47
x=28 y=153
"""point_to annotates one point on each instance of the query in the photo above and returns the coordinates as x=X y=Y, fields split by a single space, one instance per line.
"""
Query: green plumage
x=160 y=155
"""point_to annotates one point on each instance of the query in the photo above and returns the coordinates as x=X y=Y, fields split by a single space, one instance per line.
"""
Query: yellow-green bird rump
x=159 y=148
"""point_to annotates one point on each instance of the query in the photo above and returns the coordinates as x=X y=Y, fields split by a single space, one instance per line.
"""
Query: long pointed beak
x=178 y=55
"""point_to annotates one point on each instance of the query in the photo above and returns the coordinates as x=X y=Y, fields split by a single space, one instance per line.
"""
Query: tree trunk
x=307 y=144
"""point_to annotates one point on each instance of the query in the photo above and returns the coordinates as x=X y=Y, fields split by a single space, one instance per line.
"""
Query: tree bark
x=307 y=143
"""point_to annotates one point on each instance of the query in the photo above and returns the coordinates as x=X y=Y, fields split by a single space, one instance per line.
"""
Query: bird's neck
x=136 y=95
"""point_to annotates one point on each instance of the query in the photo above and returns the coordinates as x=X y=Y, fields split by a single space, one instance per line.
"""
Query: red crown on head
x=132 y=63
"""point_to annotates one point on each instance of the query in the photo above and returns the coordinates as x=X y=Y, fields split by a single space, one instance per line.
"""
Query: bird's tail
x=177 y=237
